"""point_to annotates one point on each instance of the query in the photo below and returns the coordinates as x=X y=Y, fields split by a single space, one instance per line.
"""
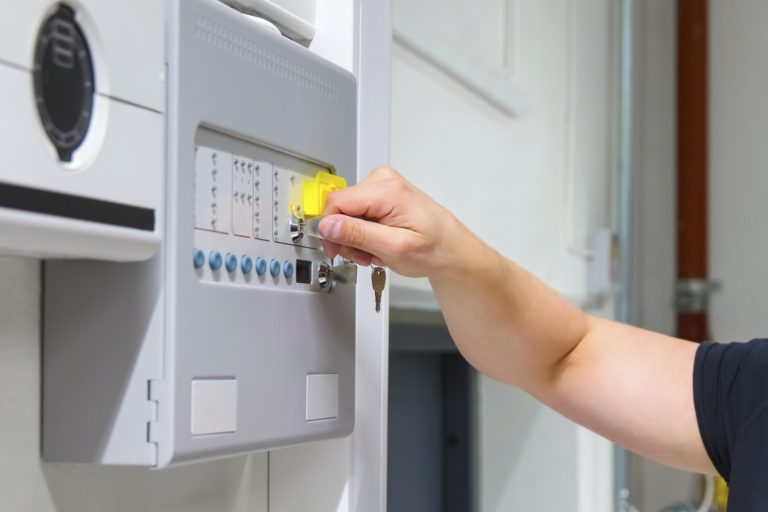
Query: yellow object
x=721 y=493
x=316 y=192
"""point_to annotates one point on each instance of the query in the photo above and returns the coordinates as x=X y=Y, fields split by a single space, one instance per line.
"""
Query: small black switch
x=303 y=271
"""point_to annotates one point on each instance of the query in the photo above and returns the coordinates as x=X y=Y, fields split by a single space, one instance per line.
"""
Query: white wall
x=535 y=185
x=529 y=459
x=738 y=177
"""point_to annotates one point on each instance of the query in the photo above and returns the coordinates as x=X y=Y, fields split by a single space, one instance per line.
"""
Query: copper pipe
x=692 y=146
x=693 y=326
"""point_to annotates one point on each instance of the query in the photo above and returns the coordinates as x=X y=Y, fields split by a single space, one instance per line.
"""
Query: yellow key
x=316 y=192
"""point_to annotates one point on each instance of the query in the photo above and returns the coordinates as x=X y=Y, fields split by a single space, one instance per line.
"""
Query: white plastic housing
x=119 y=166
x=295 y=18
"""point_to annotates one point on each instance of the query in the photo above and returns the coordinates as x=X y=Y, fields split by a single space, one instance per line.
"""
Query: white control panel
x=244 y=194
x=237 y=336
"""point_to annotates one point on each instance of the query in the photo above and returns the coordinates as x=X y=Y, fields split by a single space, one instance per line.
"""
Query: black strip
x=75 y=207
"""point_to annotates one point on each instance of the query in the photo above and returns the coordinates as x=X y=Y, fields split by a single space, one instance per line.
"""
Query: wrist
x=462 y=255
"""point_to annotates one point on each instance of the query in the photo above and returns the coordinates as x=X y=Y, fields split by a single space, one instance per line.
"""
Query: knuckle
x=332 y=199
x=385 y=171
x=401 y=187
x=354 y=235
x=401 y=247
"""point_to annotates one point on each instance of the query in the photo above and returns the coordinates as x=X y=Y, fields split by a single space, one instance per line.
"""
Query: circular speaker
x=64 y=81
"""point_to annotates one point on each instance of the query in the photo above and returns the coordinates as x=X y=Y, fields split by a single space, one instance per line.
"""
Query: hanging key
x=378 y=280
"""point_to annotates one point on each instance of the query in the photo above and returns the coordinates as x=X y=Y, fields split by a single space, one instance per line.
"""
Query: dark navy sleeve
x=730 y=389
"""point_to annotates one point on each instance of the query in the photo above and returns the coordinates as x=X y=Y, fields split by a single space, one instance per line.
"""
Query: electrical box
x=82 y=128
x=231 y=339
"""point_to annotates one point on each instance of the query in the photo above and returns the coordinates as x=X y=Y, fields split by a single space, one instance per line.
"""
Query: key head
x=378 y=279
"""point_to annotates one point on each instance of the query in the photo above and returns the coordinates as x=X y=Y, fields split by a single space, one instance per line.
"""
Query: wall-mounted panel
x=206 y=350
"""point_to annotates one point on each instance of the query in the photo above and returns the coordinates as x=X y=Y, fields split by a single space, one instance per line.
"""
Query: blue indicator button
x=261 y=266
x=215 y=260
x=274 y=268
x=246 y=264
x=230 y=261
x=198 y=258
x=288 y=269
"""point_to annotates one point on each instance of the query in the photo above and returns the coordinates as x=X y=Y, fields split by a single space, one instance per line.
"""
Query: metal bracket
x=692 y=295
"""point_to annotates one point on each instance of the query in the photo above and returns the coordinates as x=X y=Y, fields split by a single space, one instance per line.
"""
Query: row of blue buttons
x=215 y=261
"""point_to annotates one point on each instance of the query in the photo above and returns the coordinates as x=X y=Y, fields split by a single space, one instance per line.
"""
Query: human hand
x=387 y=221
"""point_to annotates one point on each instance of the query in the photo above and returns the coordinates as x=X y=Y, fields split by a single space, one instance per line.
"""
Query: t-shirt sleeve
x=730 y=391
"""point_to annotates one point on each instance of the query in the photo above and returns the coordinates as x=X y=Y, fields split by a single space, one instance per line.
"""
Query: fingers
x=331 y=249
x=356 y=255
x=369 y=200
x=356 y=235
x=373 y=198
x=370 y=237
x=383 y=172
x=360 y=257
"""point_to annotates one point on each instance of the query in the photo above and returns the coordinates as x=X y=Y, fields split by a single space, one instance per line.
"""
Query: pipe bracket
x=692 y=295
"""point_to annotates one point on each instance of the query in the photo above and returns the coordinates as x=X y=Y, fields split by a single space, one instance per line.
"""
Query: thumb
x=371 y=237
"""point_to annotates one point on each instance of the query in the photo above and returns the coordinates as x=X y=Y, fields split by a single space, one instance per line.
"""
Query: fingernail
x=330 y=228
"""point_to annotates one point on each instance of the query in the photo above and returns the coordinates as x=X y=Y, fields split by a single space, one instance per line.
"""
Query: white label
x=242 y=196
x=262 y=193
x=214 y=406
x=213 y=185
x=322 y=396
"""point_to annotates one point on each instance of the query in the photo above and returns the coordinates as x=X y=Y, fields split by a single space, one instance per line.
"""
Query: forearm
x=506 y=322
x=617 y=380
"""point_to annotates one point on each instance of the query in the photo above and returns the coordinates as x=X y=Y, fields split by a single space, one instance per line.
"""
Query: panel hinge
x=153 y=397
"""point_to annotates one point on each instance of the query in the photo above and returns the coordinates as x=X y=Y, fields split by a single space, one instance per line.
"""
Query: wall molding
x=492 y=85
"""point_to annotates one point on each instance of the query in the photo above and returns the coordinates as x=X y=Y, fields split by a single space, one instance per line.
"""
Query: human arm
x=630 y=385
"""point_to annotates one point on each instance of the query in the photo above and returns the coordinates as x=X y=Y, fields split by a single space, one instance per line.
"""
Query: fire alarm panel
x=82 y=128
x=233 y=338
